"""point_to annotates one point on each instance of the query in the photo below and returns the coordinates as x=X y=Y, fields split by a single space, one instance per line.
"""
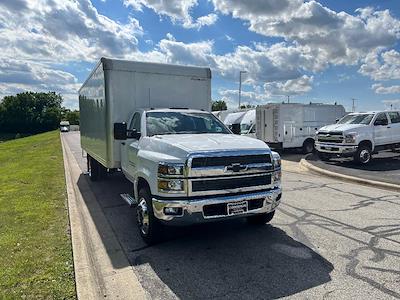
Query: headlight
x=350 y=138
x=170 y=169
x=276 y=160
x=171 y=185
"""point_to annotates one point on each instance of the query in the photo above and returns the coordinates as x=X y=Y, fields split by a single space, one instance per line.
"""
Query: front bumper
x=193 y=210
x=336 y=149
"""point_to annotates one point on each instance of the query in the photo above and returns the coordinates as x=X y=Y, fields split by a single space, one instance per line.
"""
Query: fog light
x=173 y=211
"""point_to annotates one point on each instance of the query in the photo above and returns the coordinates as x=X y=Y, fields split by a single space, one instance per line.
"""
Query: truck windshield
x=364 y=119
x=244 y=128
x=159 y=123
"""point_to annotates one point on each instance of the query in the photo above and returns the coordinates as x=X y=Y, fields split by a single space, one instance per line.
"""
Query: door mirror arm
x=133 y=133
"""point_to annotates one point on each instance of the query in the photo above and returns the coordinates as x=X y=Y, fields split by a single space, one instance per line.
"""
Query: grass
x=11 y=136
x=35 y=246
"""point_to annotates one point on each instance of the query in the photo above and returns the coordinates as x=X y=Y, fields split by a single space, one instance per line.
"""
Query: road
x=329 y=239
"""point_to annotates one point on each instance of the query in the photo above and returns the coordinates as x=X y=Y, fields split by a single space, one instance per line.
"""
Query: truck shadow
x=220 y=260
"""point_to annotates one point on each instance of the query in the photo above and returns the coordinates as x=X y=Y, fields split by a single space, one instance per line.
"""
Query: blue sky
x=319 y=51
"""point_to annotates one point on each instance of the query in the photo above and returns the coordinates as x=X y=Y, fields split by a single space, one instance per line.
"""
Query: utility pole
x=240 y=85
x=288 y=98
x=354 y=104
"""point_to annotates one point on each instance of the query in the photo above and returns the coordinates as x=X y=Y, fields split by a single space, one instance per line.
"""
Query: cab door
x=130 y=148
x=381 y=130
x=394 y=125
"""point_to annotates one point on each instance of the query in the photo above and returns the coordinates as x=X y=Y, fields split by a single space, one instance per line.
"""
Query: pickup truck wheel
x=149 y=226
x=308 y=146
x=363 y=155
x=261 y=219
x=323 y=156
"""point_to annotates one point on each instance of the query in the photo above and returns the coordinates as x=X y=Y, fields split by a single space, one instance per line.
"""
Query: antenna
x=149 y=99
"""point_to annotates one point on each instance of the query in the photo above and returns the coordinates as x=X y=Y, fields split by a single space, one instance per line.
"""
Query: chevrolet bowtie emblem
x=237 y=167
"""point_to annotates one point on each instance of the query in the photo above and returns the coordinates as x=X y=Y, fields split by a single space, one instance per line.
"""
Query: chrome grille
x=330 y=137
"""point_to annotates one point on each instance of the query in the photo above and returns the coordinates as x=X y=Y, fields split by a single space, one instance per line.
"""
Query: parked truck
x=294 y=125
x=359 y=135
x=152 y=122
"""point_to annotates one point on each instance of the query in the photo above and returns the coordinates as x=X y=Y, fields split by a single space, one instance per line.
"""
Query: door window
x=381 y=119
x=135 y=123
x=394 y=117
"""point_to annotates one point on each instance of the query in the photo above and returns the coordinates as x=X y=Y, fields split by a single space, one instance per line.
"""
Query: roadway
x=329 y=239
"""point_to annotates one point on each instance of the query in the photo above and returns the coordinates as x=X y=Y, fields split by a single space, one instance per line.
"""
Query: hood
x=211 y=142
x=341 y=127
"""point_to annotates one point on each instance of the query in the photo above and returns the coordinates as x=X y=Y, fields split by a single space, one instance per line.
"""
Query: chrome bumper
x=193 y=210
x=335 y=148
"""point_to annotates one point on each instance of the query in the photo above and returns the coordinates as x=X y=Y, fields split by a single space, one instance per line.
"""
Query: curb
x=383 y=185
x=94 y=246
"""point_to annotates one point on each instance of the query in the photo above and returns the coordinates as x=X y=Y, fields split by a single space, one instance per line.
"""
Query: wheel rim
x=142 y=216
x=309 y=148
x=365 y=156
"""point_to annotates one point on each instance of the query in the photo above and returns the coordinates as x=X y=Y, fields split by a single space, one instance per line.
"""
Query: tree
x=72 y=116
x=244 y=106
x=30 y=112
x=218 y=105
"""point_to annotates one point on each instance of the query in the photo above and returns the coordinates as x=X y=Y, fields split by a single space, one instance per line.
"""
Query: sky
x=310 y=51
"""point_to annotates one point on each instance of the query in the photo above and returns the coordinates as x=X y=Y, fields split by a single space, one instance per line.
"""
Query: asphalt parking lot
x=329 y=239
x=384 y=167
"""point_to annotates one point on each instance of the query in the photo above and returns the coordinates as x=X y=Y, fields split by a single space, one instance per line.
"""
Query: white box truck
x=152 y=122
x=294 y=125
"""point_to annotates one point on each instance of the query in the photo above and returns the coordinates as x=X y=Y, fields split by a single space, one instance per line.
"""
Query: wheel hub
x=365 y=156
x=142 y=216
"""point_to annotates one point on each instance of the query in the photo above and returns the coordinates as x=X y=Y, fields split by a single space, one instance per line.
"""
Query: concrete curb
x=384 y=185
x=95 y=275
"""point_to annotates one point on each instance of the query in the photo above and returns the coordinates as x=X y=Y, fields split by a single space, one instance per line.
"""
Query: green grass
x=11 y=136
x=35 y=245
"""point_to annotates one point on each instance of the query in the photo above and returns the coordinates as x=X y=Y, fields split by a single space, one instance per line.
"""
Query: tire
x=149 y=226
x=323 y=156
x=94 y=169
x=261 y=219
x=363 y=155
x=308 y=146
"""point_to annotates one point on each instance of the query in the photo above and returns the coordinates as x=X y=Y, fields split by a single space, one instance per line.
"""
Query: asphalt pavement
x=384 y=167
x=329 y=239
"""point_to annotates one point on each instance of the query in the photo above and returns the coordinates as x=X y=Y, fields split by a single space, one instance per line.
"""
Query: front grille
x=200 y=162
x=220 y=209
x=330 y=137
x=230 y=183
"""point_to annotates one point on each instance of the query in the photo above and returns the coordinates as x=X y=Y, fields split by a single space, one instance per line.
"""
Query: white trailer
x=294 y=125
x=248 y=123
x=116 y=88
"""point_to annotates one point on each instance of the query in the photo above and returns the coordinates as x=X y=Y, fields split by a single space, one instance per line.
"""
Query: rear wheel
x=363 y=155
x=308 y=146
x=261 y=219
x=96 y=170
x=149 y=226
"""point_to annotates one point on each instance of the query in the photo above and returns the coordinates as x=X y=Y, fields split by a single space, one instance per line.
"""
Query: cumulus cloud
x=177 y=10
x=382 y=66
x=291 y=87
x=381 y=89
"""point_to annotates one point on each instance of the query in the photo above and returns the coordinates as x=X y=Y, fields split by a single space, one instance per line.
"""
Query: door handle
x=388 y=127
x=123 y=143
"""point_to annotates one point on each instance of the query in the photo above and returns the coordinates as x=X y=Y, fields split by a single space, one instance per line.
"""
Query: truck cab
x=187 y=167
x=359 y=135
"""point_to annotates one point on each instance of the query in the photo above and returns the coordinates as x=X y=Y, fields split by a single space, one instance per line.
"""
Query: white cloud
x=291 y=87
x=381 y=89
x=178 y=10
x=328 y=36
x=382 y=66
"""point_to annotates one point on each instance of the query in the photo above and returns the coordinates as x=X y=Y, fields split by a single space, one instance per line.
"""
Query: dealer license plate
x=237 y=208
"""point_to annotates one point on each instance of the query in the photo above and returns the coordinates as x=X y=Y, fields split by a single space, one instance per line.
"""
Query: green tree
x=72 y=116
x=218 y=105
x=30 y=112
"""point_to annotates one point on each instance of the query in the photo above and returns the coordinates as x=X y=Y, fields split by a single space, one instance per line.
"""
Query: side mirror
x=120 y=131
x=133 y=134
x=236 y=128
x=336 y=121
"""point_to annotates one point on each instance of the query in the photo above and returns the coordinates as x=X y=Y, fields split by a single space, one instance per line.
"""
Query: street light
x=240 y=85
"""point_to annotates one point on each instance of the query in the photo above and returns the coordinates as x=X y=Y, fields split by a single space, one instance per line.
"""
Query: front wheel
x=308 y=146
x=363 y=155
x=261 y=219
x=150 y=228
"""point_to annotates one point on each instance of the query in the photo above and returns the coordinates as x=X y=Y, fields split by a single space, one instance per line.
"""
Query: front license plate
x=237 y=208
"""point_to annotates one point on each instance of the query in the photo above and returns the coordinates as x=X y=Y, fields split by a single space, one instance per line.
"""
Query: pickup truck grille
x=199 y=162
x=230 y=183
x=330 y=137
x=229 y=172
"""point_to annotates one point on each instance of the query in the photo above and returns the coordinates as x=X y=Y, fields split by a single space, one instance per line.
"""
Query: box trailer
x=116 y=88
x=294 y=125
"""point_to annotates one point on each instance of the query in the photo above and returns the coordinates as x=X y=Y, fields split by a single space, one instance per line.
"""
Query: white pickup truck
x=359 y=135
x=186 y=166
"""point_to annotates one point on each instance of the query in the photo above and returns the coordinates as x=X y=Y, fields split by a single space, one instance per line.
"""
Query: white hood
x=341 y=127
x=212 y=142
